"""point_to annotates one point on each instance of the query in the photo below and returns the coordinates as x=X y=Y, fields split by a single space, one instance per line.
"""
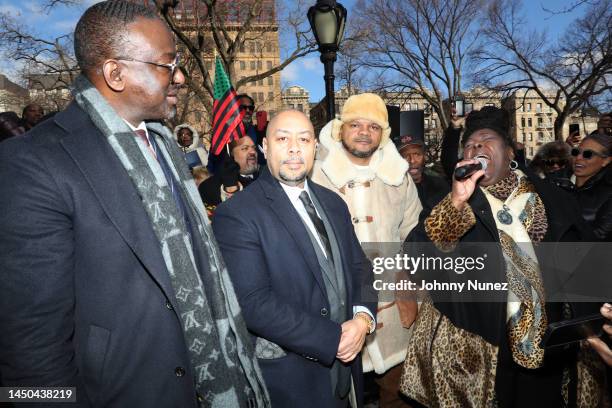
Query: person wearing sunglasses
x=478 y=348
x=552 y=162
x=593 y=182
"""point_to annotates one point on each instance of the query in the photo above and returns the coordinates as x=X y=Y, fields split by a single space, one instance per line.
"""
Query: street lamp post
x=327 y=19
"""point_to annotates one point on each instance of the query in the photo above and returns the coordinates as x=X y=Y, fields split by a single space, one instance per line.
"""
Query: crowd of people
x=143 y=270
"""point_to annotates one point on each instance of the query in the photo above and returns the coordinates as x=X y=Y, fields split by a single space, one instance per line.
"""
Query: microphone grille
x=483 y=162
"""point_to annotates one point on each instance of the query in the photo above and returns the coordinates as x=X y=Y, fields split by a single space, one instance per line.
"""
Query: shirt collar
x=141 y=126
x=293 y=192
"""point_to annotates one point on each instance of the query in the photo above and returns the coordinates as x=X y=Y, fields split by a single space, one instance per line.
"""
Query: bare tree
x=234 y=30
x=38 y=55
x=572 y=73
x=420 y=46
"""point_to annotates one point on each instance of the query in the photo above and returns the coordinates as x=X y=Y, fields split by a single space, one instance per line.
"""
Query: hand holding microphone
x=467 y=173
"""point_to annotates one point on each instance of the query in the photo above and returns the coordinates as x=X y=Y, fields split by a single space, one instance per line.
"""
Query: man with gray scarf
x=111 y=279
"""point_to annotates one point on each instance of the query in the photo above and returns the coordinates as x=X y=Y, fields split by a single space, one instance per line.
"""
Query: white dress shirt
x=294 y=196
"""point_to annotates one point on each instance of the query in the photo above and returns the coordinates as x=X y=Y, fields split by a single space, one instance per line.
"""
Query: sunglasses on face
x=555 y=162
x=247 y=107
x=587 y=153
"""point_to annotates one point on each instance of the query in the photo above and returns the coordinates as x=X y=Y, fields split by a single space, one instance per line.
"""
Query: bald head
x=289 y=147
x=295 y=117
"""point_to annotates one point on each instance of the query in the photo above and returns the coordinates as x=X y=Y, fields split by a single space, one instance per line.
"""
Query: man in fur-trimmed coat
x=357 y=161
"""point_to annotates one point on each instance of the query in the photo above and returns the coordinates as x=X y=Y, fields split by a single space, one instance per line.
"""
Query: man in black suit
x=301 y=277
x=111 y=280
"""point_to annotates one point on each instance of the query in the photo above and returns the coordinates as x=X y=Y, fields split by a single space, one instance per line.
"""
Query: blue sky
x=307 y=72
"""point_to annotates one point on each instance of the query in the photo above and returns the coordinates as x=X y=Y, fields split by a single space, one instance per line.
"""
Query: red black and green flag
x=227 y=118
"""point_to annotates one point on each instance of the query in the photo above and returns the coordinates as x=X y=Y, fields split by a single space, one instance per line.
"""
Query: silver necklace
x=504 y=215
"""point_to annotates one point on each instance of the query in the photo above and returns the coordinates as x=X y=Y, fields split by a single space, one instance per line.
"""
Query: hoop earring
x=513 y=165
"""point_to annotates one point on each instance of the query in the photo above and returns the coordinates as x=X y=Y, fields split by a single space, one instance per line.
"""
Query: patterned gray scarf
x=225 y=369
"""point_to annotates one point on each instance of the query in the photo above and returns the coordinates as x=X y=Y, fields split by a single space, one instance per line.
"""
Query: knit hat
x=489 y=117
x=367 y=106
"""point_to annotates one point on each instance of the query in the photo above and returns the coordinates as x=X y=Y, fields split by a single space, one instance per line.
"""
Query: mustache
x=363 y=139
x=295 y=159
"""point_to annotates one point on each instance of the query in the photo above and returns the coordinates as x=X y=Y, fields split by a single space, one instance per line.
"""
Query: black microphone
x=463 y=172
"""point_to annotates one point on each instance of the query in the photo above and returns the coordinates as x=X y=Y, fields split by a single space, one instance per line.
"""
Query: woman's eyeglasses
x=587 y=153
x=247 y=107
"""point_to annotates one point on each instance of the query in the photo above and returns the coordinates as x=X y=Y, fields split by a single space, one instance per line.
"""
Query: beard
x=250 y=169
x=359 y=153
x=293 y=180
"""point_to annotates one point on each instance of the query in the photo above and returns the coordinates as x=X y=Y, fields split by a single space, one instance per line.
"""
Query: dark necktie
x=318 y=223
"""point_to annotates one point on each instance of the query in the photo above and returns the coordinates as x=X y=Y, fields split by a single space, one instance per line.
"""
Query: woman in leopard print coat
x=482 y=348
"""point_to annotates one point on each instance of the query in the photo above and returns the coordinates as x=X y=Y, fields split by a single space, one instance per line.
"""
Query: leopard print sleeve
x=445 y=225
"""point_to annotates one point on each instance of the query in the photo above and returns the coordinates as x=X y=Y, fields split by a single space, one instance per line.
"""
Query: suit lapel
x=114 y=190
x=288 y=216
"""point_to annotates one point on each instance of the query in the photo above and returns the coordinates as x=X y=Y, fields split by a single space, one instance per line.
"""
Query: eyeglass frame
x=575 y=152
x=172 y=66
x=245 y=107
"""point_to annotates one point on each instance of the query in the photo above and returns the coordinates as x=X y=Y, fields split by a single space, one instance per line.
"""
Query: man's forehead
x=361 y=120
x=151 y=37
x=245 y=140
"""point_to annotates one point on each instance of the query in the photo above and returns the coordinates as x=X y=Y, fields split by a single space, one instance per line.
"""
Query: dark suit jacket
x=280 y=286
x=85 y=296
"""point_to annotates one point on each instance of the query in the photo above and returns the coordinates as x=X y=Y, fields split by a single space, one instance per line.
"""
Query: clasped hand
x=351 y=341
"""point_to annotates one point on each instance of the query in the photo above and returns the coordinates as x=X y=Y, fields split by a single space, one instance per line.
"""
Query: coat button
x=169 y=305
x=179 y=371
x=324 y=312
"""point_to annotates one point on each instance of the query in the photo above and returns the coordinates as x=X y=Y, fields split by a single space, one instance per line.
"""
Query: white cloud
x=311 y=64
x=290 y=73
x=33 y=8
x=65 y=25
x=10 y=10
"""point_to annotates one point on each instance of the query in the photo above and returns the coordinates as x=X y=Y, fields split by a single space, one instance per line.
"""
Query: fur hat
x=367 y=106
x=489 y=117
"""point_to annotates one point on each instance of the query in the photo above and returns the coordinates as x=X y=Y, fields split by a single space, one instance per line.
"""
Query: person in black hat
x=410 y=144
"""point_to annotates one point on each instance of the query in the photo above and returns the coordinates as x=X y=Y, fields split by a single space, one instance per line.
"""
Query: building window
x=426 y=123
x=528 y=107
x=531 y=151
x=540 y=121
x=433 y=123
x=252 y=65
x=540 y=136
x=242 y=47
x=270 y=96
x=252 y=47
x=529 y=123
x=254 y=96
x=416 y=106
x=261 y=97
x=530 y=137
x=259 y=64
x=300 y=107
x=538 y=107
x=260 y=82
x=522 y=122
x=270 y=81
x=269 y=65
x=523 y=138
x=523 y=108
x=489 y=104
x=243 y=65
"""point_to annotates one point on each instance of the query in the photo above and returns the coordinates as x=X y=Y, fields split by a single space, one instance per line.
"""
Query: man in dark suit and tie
x=302 y=280
x=111 y=281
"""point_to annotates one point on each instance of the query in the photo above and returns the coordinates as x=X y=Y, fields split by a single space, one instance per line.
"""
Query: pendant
x=504 y=216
